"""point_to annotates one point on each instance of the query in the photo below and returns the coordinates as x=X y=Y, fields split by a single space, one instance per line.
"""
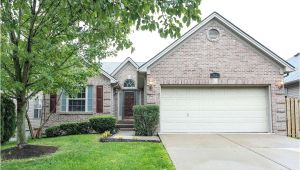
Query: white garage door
x=225 y=109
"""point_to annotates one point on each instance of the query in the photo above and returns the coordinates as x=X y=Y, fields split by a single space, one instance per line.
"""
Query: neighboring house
x=35 y=109
x=215 y=78
x=291 y=82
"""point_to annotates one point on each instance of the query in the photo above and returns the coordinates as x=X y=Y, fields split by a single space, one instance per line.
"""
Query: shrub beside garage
x=146 y=118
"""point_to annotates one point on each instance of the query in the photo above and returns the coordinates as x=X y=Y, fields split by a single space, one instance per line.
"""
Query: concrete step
x=126 y=129
x=126 y=121
x=124 y=125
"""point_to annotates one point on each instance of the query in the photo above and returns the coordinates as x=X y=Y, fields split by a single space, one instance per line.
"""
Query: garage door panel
x=169 y=103
x=225 y=99
x=223 y=108
x=216 y=114
x=224 y=120
x=222 y=127
x=214 y=110
x=173 y=92
x=173 y=114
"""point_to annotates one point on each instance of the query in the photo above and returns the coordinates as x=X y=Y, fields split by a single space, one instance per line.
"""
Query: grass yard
x=85 y=152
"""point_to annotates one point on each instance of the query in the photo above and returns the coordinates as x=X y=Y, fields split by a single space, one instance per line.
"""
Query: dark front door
x=128 y=104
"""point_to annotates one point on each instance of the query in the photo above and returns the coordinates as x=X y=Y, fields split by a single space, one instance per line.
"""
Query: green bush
x=8 y=118
x=53 y=131
x=69 y=128
x=146 y=119
x=84 y=127
x=103 y=123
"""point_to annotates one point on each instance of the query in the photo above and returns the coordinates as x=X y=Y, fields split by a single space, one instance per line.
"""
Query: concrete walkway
x=232 y=151
x=129 y=136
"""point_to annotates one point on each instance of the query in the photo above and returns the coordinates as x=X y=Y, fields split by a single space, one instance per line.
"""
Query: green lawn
x=85 y=152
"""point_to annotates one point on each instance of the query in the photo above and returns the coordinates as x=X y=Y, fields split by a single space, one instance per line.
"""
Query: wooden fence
x=292 y=111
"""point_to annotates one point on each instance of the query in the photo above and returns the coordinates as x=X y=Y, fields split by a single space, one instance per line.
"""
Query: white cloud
x=274 y=23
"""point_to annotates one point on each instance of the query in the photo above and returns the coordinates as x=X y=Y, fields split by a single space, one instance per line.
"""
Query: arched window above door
x=128 y=83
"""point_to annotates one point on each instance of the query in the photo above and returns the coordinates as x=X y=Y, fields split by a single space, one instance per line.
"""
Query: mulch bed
x=27 y=151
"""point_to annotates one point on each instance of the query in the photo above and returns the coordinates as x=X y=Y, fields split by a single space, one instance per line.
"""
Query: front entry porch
x=126 y=100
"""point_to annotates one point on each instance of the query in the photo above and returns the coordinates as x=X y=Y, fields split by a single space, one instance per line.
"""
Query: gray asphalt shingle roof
x=295 y=75
x=109 y=67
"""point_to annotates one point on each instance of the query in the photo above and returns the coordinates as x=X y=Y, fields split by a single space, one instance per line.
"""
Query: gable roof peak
x=287 y=67
x=128 y=59
x=112 y=79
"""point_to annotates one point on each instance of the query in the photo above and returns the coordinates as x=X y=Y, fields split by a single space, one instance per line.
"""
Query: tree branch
x=11 y=74
x=27 y=64
x=14 y=94
x=32 y=94
x=43 y=21
x=16 y=58
x=28 y=120
x=57 y=68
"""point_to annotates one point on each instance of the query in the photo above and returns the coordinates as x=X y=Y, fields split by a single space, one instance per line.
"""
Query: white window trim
x=85 y=100
x=37 y=108
x=39 y=114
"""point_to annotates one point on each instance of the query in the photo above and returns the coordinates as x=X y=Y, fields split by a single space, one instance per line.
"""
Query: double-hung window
x=77 y=103
x=37 y=111
x=81 y=102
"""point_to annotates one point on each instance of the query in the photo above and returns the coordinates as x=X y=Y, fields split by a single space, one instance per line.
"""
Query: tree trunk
x=39 y=130
x=29 y=126
x=21 y=111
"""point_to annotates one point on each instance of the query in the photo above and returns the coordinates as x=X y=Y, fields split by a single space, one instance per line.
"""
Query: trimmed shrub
x=84 y=127
x=8 y=118
x=53 y=131
x=146 y=119
x=103 y=123
x=69 y=128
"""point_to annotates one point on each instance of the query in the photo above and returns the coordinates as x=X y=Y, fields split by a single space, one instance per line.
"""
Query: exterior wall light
x=151 y=84
x=279 y=84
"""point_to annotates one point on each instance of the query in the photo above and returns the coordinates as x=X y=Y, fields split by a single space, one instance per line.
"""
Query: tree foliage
x=47 y=45
x=8 y=118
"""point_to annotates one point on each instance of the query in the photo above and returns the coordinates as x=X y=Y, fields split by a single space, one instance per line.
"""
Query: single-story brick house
x=214 y=78
x=291 y=82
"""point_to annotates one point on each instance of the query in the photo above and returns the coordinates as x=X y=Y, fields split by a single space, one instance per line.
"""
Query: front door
x=128 y=104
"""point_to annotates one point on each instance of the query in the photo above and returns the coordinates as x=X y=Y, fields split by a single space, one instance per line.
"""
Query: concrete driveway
x=232 y=151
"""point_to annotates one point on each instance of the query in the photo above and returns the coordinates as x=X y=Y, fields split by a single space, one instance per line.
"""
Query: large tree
x=51 y=44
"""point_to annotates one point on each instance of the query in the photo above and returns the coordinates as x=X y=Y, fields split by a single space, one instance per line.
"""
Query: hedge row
x=99 y=124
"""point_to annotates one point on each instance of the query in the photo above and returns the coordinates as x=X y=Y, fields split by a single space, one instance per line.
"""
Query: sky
x=274 y=23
